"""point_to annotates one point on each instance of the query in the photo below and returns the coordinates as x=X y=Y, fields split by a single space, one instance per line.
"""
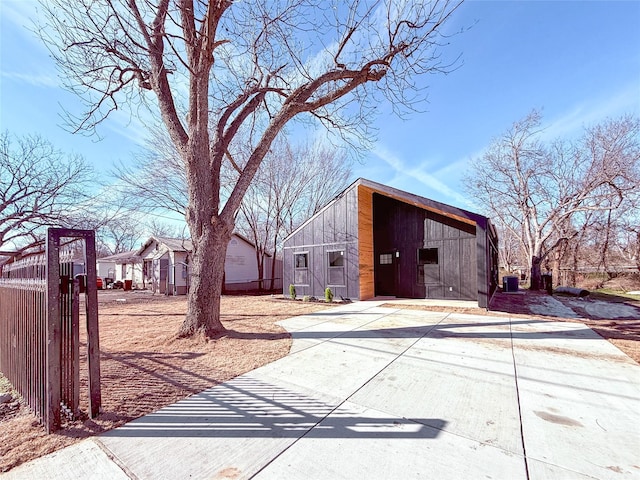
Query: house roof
x=182 y=245
x=173 y=244
x=121 y=257
x=450 y=211
x=424 y=203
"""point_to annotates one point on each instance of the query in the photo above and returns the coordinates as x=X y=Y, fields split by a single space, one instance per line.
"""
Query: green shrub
x=292 y=291
x=328 y=295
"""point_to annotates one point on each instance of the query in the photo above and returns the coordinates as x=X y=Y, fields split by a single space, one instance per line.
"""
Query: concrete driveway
x=383 y=393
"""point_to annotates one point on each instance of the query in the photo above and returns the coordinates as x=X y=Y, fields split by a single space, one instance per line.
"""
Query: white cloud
x=572 y=123
x=37 y=80
x=419 y=173
x=23 y=14
x=130 y=126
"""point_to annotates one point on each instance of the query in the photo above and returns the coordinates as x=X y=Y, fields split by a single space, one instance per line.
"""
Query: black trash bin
x=509 y=284
x=547 y=283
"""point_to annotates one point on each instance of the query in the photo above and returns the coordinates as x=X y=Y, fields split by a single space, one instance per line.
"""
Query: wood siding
x=369 y=220
x=365 y=242
x=333 y=229
x=402 y=230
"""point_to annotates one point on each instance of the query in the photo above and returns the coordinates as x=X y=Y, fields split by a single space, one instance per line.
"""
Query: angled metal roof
x=424 y=203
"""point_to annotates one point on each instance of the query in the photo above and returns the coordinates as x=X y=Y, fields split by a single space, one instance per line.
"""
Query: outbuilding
x=373 y=240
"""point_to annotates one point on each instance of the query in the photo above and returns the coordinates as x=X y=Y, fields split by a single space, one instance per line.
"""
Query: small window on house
x=428 y=266
x=301 y=260
x=386 y=258
x=301 y=268
x=428 y=256
x=336 y=267
x=336 y=259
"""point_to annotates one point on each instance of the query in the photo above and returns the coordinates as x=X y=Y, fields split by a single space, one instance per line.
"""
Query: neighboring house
x=106 y=267
x=122 y=267
x=165 y=265
x=374 y=240
x=241 y=267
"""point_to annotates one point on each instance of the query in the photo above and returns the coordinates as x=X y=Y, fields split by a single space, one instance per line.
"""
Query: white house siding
x=179 y=273
x=240 y=266
x=106 y=269
x=121 y=267
x=154 y=256
x=130 y=271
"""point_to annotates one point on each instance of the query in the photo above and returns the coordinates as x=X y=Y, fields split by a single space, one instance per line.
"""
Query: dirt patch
x=614 y=318
x=145 y=367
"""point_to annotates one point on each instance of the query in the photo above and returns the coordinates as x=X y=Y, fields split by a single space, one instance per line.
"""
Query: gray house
x=374 y=240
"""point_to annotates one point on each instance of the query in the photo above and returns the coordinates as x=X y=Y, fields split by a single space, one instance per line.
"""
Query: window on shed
x=336 y=267
x=301 y=268
x=428 y=266
x=386 y=258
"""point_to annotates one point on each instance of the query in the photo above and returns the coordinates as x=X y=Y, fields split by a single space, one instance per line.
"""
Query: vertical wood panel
x=318 y=270
x=481 y=269
x=451 y=268
x=365 y=242
x=468 y=288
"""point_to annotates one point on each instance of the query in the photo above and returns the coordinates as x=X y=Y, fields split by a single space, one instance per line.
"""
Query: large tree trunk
x=273 y=260
x=207 y=277
x=556 y=273
x=536 y=273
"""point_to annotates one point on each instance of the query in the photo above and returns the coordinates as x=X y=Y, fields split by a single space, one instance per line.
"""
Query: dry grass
x=145 y=367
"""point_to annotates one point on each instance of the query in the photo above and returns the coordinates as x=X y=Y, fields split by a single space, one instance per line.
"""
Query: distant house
x=374 y=240
x=122 y=267
x=165 y=265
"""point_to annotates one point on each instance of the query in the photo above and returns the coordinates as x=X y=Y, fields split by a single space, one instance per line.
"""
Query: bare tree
x=39 y=186
x=159 y=228
x=120 y=234
x=535 y=189
x=216 y=68
x=628 y=240
x=292 y=184
x=510 y=248
x=155 y=179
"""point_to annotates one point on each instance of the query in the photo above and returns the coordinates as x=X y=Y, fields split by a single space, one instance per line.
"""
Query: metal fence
x=40 y=326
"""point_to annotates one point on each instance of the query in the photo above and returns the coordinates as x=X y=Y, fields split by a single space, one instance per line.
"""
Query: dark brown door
x=386 y=274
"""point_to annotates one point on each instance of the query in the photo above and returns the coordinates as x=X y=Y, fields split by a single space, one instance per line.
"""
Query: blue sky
x=578 y=62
